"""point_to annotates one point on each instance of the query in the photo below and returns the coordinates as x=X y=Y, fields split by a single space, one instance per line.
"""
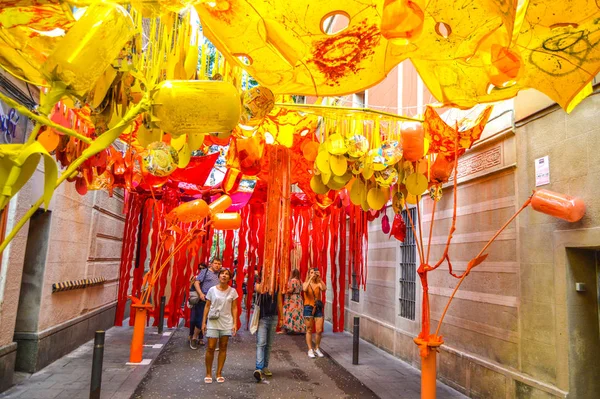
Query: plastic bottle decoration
x=256 y=105
x=502 y=64
x=226 y=221
x=441 y=169
x=249 y=151
x=231 y=180
x=159 y=159
x=413 y=139
x=220 y=205
x=187 y=212
x=401 y=21
x=558 y=205
x=89 y=47
x=195 y=106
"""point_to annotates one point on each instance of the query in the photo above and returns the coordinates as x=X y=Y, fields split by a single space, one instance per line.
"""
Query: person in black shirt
x=268 y=321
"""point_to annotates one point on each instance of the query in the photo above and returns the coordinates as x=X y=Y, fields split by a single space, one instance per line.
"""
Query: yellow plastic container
x=195 y=106
x=89 y=47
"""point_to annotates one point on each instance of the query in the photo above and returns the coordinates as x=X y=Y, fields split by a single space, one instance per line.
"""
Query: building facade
x=524 y=324
x=77 y=238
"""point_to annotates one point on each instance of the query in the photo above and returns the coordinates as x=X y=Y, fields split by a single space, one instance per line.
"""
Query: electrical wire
x=13 y=91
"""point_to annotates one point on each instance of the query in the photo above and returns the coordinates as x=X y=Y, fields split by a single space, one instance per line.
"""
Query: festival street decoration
x=156 y=97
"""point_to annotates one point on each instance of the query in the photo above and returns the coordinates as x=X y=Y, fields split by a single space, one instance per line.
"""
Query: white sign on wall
x=542 y=171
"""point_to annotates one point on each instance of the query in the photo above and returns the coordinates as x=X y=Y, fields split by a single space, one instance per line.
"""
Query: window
x=355 y=289
x=408 y=268
x=359 y=100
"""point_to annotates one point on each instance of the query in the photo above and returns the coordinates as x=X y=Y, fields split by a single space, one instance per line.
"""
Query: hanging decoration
x=154 y=114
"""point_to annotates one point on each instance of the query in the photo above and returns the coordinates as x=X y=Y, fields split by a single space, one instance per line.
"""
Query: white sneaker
x=319 y=353
x=311 y=354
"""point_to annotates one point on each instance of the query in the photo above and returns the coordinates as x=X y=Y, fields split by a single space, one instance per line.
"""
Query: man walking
x=205 y=280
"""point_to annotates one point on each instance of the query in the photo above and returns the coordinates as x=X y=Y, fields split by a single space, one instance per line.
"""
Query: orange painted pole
x=139 y=328
x=428 y=375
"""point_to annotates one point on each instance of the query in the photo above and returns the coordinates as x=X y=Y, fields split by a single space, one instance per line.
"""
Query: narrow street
x=179 y=373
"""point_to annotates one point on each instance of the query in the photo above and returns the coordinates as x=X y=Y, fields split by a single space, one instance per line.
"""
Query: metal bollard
x=161 y=314
x=355 y=338
x=97 y=360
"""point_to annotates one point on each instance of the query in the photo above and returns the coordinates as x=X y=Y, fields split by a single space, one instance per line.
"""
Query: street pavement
x=69 y=377
x=179 y=373
x=387 y=376
x=175 y=371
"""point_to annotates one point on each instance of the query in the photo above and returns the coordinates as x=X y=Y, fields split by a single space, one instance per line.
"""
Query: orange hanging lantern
x=226 y=221
x=505 y=67
x=558 y=205
x=441 y=169
x=249 y=153
x=220 y=205
x=413 y=141
x=502 y=64
x=191 y=211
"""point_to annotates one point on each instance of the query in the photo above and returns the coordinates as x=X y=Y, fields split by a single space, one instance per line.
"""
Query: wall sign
x=542 y=171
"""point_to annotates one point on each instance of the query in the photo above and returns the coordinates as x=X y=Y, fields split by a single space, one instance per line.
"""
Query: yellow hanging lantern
x=257 y=103
x=195 y=106
x=89 y=47
x=160 y=159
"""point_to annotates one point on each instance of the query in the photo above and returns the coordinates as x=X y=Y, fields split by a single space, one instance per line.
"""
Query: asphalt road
x=179 y=373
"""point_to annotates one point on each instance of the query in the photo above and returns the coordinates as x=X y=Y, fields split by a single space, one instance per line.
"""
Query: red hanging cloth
x=133 y=207
x=343 y=286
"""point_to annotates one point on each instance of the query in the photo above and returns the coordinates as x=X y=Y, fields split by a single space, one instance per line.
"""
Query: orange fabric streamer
x=277 y=229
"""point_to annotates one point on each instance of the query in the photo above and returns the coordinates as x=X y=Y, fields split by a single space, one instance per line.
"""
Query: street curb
x=345 y=368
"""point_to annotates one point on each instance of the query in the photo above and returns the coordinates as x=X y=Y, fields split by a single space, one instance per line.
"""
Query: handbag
x=214 y=314
x=194 y=298
x=255 y=316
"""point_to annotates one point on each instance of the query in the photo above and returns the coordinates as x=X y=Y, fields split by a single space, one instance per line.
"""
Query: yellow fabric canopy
x=466 y=53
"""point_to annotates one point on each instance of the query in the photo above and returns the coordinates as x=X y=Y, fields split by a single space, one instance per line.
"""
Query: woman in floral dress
x=293 y=321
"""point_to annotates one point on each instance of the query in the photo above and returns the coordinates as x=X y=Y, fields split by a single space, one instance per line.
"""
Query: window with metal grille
x=355 y=291
x=408 y=268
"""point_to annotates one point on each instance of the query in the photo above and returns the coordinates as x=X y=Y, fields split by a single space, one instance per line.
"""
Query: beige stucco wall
x=12 y=265
x=85 y=242
x=571 y=142
x=507 y=332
